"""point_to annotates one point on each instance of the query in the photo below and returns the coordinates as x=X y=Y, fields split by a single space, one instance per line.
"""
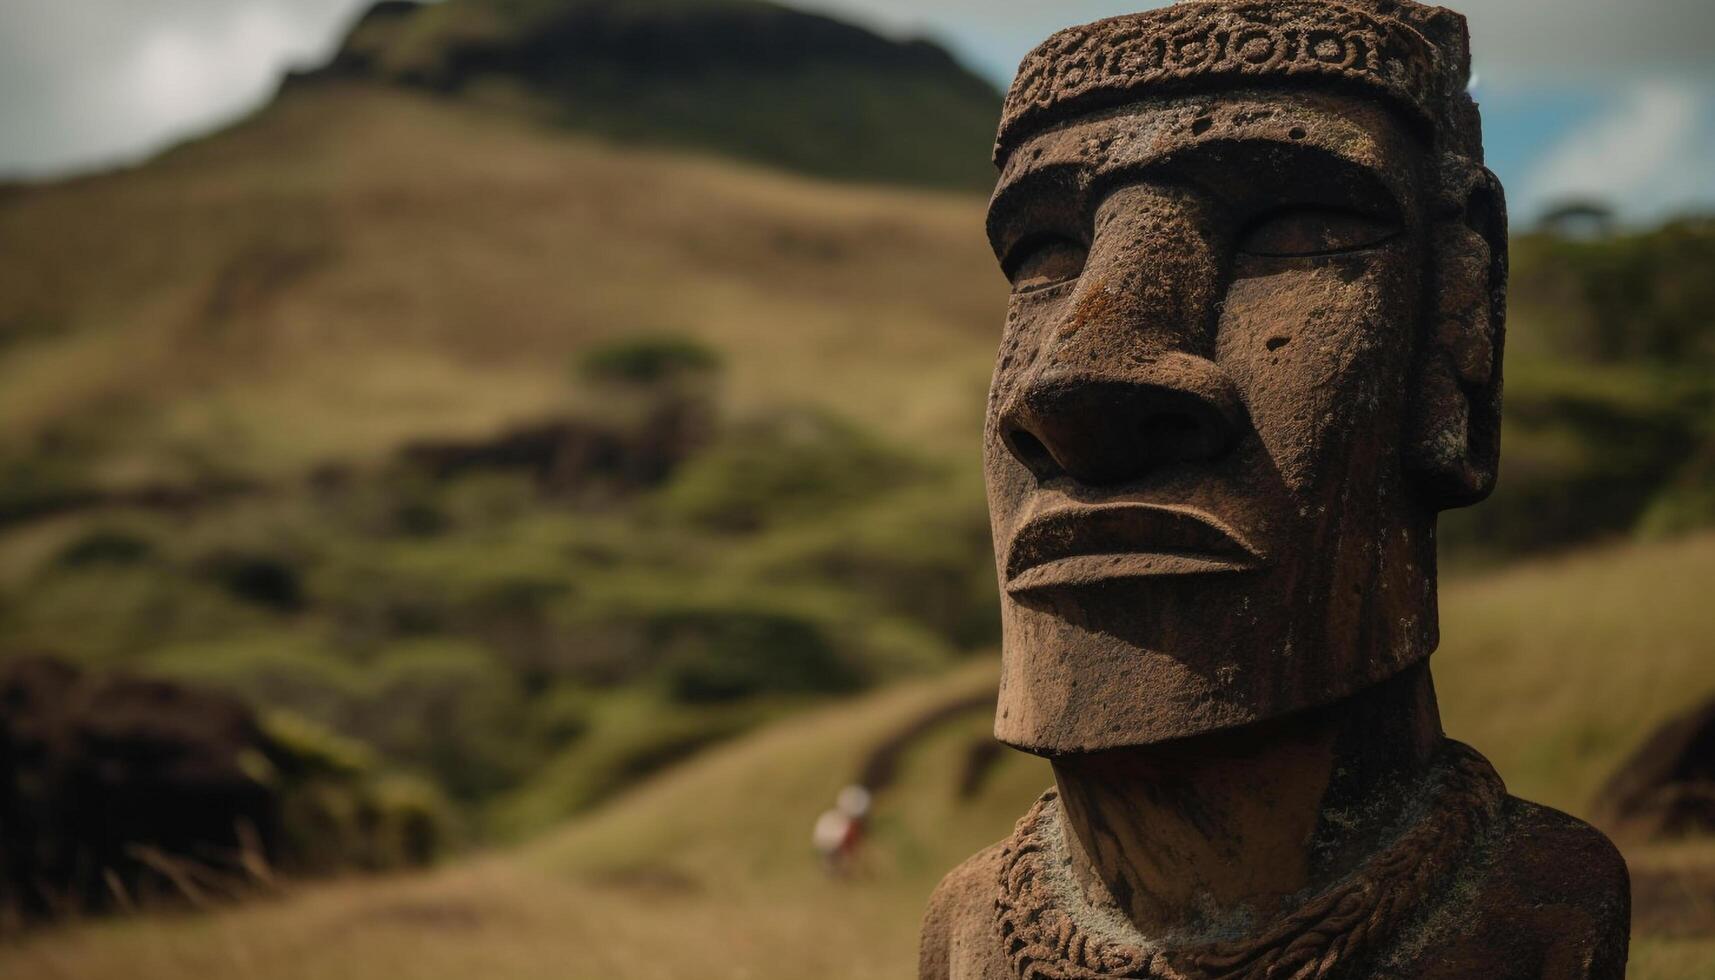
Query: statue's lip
x=1088 y=544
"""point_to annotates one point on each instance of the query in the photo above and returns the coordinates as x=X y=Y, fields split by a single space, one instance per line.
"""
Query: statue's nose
x=1123 y=383
x=1104 y=430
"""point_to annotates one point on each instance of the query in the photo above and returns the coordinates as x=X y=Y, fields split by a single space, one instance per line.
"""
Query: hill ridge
x=747 y=78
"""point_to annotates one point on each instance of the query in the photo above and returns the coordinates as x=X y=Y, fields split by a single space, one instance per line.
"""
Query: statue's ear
x=1453 y=446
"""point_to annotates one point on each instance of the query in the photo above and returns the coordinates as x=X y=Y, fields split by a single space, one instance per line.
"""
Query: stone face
x=1196 y=462
x=1254 y=348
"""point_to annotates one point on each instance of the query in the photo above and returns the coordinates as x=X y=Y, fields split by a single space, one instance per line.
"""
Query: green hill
x=217 y=371
x=742 y=77
x=361 y=264
x=707 y=871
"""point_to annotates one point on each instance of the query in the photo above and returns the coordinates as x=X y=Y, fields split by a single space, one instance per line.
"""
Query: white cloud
x=1555 y=41
x=1650 y=152
x=181 y=75
x=85 y=83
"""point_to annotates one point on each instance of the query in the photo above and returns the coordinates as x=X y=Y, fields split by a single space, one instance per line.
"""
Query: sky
x=1605 y=99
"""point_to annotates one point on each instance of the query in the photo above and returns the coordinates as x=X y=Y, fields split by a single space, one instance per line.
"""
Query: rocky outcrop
x=122 y=792
x=1665 y=789
x=119 y=788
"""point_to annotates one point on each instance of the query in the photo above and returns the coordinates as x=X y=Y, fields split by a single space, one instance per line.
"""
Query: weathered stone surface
x=1254 y=348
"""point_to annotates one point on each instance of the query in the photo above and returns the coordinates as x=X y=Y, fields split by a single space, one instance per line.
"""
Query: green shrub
x=36 y=483
x=106 y=546
x=1687 y=503
x=561 y=716
x=407 y=823
x=1645 y=296
x=339 y=810
x=648 y=360
x=310 y=751
x=1586 y=453
x=271 y=581
x=727 y=655
x=290 y=671
x=790 y=466
x=926 y=555
x=452 y=710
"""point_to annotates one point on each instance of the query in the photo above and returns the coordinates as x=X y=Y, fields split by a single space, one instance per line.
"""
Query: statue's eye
x=1299 y=232
x=1046 y=262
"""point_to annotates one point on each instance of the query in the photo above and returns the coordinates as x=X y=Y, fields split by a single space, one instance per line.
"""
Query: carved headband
x=1417 y=56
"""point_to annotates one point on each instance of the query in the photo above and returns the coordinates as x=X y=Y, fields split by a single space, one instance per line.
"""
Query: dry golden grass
x=1555 y=669
x=358 y=265
x=706 y=871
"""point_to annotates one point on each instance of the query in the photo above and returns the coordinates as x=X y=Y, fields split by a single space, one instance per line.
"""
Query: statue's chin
x=1066 y=691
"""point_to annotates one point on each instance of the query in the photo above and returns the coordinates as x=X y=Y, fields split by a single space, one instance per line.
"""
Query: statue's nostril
x=1030 y=451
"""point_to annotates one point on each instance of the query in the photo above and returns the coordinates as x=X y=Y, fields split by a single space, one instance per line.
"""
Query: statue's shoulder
x=958 y=929
x=1554 y=858
x=1559 y=884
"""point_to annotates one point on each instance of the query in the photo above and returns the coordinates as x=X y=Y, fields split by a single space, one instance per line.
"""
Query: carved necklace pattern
x=1043 y=941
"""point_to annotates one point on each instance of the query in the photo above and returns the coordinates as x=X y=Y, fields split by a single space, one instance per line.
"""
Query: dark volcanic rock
x=1667 y=787
x=568 y=456
x=120 y=788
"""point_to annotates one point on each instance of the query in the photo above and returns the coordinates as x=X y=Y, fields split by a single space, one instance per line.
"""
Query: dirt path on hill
x=881 y=766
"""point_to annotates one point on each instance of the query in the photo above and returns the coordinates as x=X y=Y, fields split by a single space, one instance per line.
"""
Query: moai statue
x=1254 y=347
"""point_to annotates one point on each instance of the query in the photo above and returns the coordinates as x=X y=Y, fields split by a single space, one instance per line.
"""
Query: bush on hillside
x=1688 y=501
x=791 y=466
x=1644 y=296
x=450 y=710
x=106 y=546
x=122 y=790
x=271 y=581
x=926 y=556
x=338 y=812
x=648 y=360
x=720 y=655
x=1586 y=453
x=36 y=484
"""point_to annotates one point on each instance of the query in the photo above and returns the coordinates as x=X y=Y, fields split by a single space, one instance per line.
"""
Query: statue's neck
x=1218 y=831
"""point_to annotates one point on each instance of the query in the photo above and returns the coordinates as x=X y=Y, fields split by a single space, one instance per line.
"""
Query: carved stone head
x=1254 y=346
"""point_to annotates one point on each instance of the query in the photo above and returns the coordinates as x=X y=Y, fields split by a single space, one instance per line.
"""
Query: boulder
x=119 y=789
x=1665 y=789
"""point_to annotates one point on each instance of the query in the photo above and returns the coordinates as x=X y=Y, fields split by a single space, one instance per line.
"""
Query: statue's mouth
x=1087 y=545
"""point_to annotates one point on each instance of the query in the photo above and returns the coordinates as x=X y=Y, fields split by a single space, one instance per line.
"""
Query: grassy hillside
x=742 y=77
x=707 y=871
x=358 y=265
x=1610 y=415
x=212 y=366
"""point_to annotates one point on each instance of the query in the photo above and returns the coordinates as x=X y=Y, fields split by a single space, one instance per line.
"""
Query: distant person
x=839 y=832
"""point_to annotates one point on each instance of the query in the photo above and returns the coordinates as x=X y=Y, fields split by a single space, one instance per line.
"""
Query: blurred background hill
x=743 y=77
x=544 y=393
